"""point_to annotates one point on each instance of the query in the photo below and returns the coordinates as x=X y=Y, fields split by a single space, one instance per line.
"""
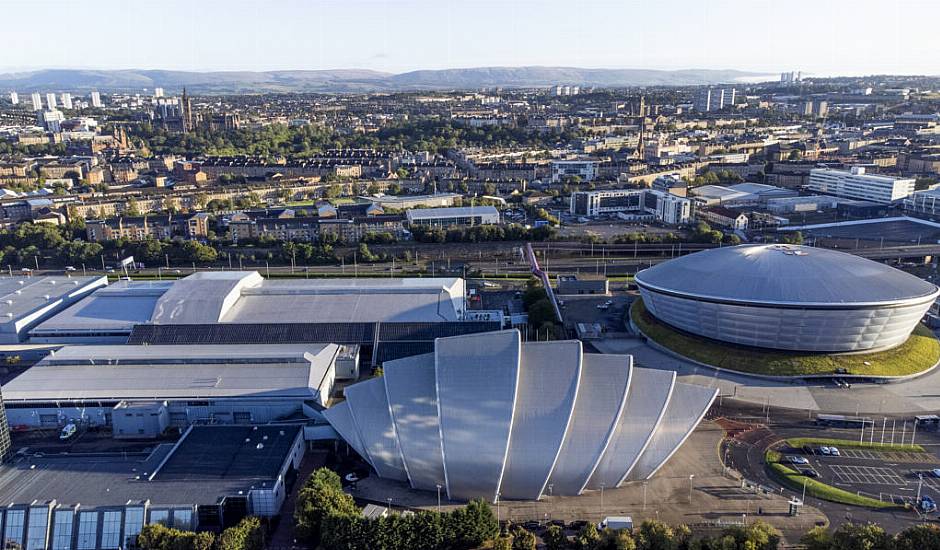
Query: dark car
x=810 y=473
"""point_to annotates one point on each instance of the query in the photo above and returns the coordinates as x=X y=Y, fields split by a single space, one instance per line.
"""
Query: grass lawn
x=792 y=479
x=798 y=442
x=920 y=352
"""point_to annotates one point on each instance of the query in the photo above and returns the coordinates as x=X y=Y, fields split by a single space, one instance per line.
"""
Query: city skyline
x=395 y=36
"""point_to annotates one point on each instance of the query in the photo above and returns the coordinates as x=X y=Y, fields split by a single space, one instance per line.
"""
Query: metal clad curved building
x=487 y=416
x=787 y=297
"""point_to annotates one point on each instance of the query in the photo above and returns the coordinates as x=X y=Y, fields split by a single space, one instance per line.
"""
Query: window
x=183 y=519
x=87 y=530
x=13 y=534
x=38 y=533
x=62 y=530
x=160 y=516
x=111 y=530
x=133 y=523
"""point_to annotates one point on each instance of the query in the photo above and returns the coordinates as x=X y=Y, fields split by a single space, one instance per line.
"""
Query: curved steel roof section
x=369 y=407
x=785 y=275
x=548 y=384
x=340 y=417
x=412 y=399
x=649 y=396
x=602 y=391
x=477 y=378
x=685 y=410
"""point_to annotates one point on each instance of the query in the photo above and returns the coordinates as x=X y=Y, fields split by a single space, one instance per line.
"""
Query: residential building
x=157 y=226
x=66 y=100
x=50 y=100
x=856 y=184
x=37 y=101
x=663 y=206
x=714 y=99
x=96 y=100
x=14 y=98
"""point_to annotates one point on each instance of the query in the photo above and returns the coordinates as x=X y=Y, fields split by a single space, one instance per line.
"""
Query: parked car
x=68 y=432
x=834 y=451
x=809 y=473
x=825 y=450
x=935 y=472
x=793 y=459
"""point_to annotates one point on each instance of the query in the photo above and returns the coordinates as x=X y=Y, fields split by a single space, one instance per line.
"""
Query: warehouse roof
x=118 y=306
x=455 y=212
x=25 y=297
x=174 y=372
x=784 y=275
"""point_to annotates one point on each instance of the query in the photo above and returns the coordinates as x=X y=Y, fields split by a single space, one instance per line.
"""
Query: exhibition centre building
x=487 y=416
x=787 y=297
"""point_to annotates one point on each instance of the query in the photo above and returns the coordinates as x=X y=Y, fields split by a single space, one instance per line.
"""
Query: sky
x=822 y=37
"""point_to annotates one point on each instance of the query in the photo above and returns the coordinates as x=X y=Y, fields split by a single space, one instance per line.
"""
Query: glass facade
x=111 y=530
x=38 y=534
x=62 y=530
x=87 y=530
x=13 y=532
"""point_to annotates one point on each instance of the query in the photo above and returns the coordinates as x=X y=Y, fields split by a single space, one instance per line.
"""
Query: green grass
x=798 y=442
x=792 y=479
x=920 y=352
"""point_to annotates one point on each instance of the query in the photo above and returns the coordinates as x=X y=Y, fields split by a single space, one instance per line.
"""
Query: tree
x=850 y=536
x=817 y=538
x=587 y=538
x=756 y=536
x=247 y=535
x=555 y=538
x=131 y=208
x=656 y=535
x=333 y=191
x=156 y=536
x=522 y=539
x=618 y=539
x=321 y=496
x=918 y=537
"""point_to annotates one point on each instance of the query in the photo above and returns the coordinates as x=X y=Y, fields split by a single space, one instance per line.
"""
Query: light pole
x=920 y=484
x=551 y=509
x=438 y=498
x=645 y=483
x=803 y=498
x=602 y=500
x=497 y=509
x=691 y=477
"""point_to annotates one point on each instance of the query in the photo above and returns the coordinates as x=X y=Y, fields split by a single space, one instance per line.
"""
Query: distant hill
x=346 y=80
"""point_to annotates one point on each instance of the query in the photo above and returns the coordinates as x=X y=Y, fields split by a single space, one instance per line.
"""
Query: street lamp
x=438 y=498
x=691 y=477
x=645 y=483
x=497 y=508
x=602 y=499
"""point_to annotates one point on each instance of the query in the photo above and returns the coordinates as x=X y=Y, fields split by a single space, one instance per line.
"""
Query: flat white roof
x=21 y=297
x=455 y=212
x=293 y=372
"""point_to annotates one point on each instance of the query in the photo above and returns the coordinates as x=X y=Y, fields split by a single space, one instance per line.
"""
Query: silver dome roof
x=785 y=275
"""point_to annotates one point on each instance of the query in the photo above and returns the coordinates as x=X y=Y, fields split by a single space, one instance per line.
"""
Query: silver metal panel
x=649 y=394
x=369 y=406
x=409 y=383
x=823 y=330
x=477 y=377
x=785 y=274
x=601 y=399
x=686 y=408
x=340 y=417
x=548 y=384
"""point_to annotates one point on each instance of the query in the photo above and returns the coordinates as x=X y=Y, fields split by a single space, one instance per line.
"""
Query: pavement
x=717 y=496
x=920 y=395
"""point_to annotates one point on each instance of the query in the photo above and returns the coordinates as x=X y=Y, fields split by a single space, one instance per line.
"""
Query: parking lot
x=885 y=475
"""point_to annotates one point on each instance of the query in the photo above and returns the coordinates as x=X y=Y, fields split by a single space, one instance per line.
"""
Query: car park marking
x=897 y=456
x=869 y=475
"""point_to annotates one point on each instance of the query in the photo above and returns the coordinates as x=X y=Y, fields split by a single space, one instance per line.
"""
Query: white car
x=68 y=432
x=935 y=472
x=797 y=459
x=825 y=450
x=834 y=451
x=603 y=306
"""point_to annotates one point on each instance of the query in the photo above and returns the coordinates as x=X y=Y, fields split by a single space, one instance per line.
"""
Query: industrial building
x=787 y=297
x=856 y=184
x=209 y=479
x=244 y=297
x=446 y=217
x=93 y=385
x=739 y=194
x=27 y=301
x=553 y=417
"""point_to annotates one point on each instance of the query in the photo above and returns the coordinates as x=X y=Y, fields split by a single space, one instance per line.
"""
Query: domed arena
x=787 y=297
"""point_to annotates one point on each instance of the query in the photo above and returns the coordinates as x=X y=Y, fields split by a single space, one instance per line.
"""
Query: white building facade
x=856 y=184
